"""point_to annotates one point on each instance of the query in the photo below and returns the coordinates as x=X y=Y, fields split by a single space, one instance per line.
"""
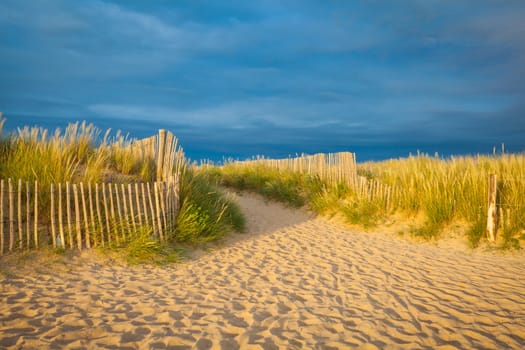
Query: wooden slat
x=36 y=214
x=162 y=204
x=132 y=211
x=120 y=216
x=152 y=210
x=125 y=205
x=160 y=155
x=143 y=195
x=99 y=215
x=60 y=218
x=86 y=218
x=139 y=210
x=106 y=212
x=92 y=214
x=112 y=207
x=2 y=238
x=77 y=217
x=11 y=215
x=491 y=214
x=20 y=230
x=68 y=215
x=52 y=213
x=28 y=214
x=158 y=216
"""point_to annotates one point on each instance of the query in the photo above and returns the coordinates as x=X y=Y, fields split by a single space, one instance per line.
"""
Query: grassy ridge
x=297 y=189
x=443 y=190
x=80 y=154
x=456 y=189
x=206 y=215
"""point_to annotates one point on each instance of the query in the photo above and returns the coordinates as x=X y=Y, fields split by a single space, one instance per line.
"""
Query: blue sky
x=238 y=78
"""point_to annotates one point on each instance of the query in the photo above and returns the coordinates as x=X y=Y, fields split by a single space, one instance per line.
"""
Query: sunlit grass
x=142 y=247
x=456 y=188
x=206 y=213
x=80 y=154
x=443 y=190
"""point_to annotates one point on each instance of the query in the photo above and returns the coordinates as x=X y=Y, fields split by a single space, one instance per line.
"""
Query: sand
x=291 y=282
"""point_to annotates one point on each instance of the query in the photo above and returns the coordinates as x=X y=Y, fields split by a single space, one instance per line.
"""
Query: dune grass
x=141 y=247
x=297 y=190
x=81 y=154
x=456 y=189
x=443 y=190
x=283 y=186
x=206 y=213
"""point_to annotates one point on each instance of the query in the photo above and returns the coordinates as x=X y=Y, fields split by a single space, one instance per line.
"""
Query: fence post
x=36 y=214
x=53 y=232
x=20 y=230
x=92 y=214
x=160 y=155
x=159 y=222
x=1 y=217
x=492 y=213
x=120 y=217
x=61 y=218
x=77 y=217
x=86 y=219
x=28 y=214
x=139 y=211
x=112 y=207
x=131 y=209
x=152 y=210
x=68 y=213
x=106 y=212
x=11 y=215
x=99 y=215
x=125 y=211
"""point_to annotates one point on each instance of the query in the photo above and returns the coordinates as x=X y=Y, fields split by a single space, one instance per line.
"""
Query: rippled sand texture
x=292 y=282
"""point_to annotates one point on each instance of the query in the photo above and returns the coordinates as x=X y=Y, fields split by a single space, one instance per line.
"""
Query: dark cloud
x=274 y=77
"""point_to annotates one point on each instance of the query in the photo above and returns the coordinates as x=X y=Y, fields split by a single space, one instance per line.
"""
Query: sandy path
x=292 y=282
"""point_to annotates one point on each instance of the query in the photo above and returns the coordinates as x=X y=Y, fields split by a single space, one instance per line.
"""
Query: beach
x=292 y=281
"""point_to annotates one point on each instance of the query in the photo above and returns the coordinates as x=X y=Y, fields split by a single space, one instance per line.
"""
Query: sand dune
x=292 y=282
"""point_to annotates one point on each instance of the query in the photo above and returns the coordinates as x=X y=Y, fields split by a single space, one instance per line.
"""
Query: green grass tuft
x=363 y=212
x=141 y=247
x=206 y=213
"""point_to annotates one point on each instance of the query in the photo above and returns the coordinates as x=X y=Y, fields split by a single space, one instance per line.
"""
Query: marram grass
x=457 y=189
x=80 y=154
x=206 y=213
x=444 y=190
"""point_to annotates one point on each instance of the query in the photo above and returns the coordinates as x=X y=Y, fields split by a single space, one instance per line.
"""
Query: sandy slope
x=292 y=282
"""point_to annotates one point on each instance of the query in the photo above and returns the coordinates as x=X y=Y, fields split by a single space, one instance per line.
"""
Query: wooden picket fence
x=374 y=190
x=164 y=149
x=80 y=215
x=83 y=215
x=333 y=168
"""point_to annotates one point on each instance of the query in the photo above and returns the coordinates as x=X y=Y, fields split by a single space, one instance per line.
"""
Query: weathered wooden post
x=53 y=232
x=36 y=214
x=106 y=212
x=68 y=214
x=86 y=218
x=11 y=215
x=62 y=243
x=1 y=217
x=492 y=212
x=160 y=156
x=28 y=213
x=78 y=226
x=20 y=230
